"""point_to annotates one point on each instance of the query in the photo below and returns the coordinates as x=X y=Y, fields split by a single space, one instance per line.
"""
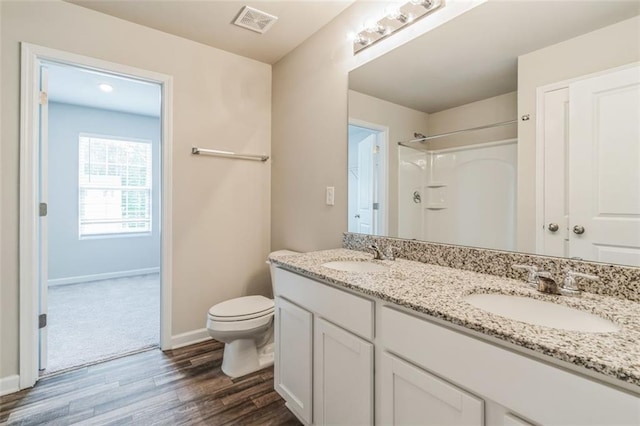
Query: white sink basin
x=356 y=266
x=539 y=312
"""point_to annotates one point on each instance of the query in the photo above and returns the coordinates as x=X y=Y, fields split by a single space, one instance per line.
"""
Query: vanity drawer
x=351 y=312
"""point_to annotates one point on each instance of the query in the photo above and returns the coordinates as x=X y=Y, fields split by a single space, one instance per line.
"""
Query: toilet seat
x=239 y=326
x=242 y=309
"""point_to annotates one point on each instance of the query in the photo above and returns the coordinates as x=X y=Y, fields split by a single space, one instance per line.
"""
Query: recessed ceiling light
x=106 y=87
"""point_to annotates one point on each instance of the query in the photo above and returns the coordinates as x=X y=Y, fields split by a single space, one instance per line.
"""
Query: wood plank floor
x=181 y=387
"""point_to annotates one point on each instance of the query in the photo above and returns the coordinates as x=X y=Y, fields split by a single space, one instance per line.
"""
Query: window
x=114 y=186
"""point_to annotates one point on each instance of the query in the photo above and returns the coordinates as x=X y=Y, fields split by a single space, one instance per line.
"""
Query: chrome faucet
x=387 y=254
x=377 y=253
x=569 y=287
x=543 y=281
x=532 y=277
x=546 y=283
x=540 y=280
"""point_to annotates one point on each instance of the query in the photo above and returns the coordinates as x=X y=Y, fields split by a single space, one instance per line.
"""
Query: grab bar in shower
x=228 y=154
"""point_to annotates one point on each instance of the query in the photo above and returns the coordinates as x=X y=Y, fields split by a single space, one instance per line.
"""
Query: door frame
x=382 y=139
x=31 y=57
x=540 y=140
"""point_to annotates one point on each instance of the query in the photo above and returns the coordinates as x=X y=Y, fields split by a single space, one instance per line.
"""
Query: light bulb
x=370 y=25
x=362 y=40
x=394 y=12
x=424 y=3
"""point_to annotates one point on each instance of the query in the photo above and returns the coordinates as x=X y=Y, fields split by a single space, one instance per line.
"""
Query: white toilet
x=245 y=325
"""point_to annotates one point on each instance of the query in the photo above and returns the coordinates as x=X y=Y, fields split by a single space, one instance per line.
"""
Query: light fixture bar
x=394 y=21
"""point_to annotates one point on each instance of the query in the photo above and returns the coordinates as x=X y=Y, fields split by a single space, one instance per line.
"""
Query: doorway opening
x=100 y=178
x=367 y=182
x=95 y=211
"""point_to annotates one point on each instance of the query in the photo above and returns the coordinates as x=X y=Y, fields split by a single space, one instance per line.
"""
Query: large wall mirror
x=514 y=126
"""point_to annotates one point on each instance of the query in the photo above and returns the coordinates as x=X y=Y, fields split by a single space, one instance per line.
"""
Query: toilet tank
x=272 y=267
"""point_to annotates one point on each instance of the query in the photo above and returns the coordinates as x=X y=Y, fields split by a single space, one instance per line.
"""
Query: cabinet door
x=411 y=396
x=293 y=357
x=343 y=377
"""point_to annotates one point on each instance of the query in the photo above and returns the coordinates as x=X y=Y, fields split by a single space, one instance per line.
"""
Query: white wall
x=497 y=109
x=221 y=208
x=608 y=47
x=70 y=256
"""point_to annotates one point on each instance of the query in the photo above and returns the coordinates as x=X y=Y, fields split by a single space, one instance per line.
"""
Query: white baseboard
x=9 y=384
x=189 y=338
x=105 y=276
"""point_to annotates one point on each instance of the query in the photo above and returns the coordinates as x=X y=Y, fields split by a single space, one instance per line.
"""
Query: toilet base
x=242 y=357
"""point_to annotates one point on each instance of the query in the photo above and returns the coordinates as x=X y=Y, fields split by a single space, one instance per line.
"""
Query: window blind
x=115 y=185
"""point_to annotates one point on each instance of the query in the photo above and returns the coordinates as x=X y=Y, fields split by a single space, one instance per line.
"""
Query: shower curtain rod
x=441 y=135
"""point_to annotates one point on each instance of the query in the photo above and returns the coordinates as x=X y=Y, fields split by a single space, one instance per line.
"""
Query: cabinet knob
x=578 y=229
x=553 y=227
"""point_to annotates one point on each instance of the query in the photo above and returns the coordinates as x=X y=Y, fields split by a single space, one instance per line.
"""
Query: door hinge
x=42 y=320
x=43 y=209
x=376 y=206
x=376 y=149
x=44 y=98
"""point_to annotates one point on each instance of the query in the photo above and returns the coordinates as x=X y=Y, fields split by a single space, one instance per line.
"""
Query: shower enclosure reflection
x=467 y=194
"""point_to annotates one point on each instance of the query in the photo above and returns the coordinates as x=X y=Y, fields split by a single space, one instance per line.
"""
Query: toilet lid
x=242 y=308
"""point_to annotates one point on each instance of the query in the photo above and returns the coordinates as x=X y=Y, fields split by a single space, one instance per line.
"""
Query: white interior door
x=366 y=184
x=43 y=190
x=605 y=168
x=555 y=223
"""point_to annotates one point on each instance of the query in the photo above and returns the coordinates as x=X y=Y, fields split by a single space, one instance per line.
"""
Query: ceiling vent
x=255 y=20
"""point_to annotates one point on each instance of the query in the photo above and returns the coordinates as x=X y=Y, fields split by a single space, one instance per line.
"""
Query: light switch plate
x=330 y=195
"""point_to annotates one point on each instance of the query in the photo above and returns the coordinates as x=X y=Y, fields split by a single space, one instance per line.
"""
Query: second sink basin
x=356 y=266
x=539 y=312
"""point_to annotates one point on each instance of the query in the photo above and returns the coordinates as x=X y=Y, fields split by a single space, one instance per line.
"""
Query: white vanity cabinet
x=513 y=386
x=427 y=371
x=324 y=357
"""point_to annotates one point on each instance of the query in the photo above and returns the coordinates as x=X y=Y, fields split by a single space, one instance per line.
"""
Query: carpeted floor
x=98 y=320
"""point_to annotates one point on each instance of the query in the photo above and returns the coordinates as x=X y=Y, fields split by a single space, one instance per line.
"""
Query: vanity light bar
x=395 y=20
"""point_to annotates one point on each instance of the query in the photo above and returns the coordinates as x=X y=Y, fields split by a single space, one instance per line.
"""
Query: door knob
x=553 y=227
x=578 y=229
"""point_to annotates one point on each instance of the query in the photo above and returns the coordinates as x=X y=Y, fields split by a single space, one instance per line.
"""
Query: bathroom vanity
x=397 y=343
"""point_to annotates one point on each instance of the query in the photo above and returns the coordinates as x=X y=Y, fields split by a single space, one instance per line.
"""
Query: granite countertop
x=439 y=291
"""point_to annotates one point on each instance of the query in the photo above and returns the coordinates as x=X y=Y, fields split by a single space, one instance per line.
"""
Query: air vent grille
x=255 y=20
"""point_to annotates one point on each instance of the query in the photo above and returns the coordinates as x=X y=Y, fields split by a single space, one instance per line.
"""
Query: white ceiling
x=210 y=21
x=78 y=86
x=474 y=56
